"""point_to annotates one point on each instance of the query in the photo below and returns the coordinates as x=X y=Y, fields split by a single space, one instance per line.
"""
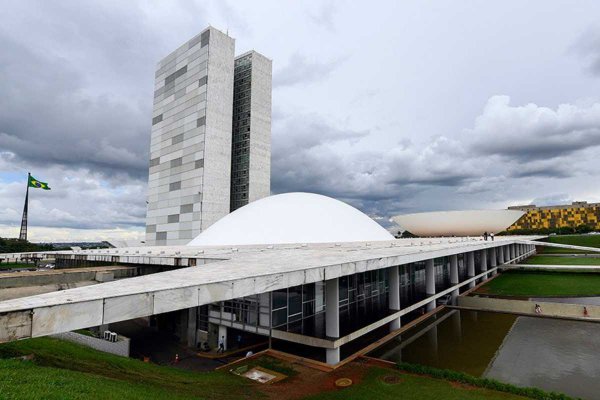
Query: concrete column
x=430 y=282
x=507 y=253
x=191 y=326
x=483 y=262
x=512 y=252
x=332 y=317
x=471 y=267
x=493 y=259
x=394 y=299
x=500 y=255
x=454 y=276
x=223 y=335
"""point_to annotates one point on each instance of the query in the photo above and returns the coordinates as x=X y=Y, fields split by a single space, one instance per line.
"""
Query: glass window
x=295 y=300
x=279 y=298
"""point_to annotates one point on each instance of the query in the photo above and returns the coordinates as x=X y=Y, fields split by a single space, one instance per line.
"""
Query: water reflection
x=550 y=354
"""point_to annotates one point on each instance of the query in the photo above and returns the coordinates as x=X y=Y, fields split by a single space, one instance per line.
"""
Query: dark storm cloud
x=588 y=48
x=308 y=156
x=302 y=70
x=80 y=94
x=553 y=168
x=530 y=132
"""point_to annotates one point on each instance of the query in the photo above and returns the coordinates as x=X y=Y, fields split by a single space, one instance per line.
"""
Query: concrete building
x=571 y=215
x=316 y=296
x=251 y=148
x=194 y=131
x=457 y=223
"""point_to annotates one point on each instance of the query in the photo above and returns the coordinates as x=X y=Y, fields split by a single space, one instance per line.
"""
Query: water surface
x=552 y=354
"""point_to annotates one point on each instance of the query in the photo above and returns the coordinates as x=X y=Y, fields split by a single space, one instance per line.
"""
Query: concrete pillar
x=493 y=259
x=394 y=295
x=501 y=255
x=430 y=282
x=223 y=335
x=471 y=267
x=454 y=276
x=507 y=253
x=512 y=252
x=191 y=327
x=333 y=356
x=483 y=262
x=332 y=317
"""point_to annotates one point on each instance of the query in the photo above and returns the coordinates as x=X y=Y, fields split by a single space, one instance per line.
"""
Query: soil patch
x=391 y=379
x=310 y=381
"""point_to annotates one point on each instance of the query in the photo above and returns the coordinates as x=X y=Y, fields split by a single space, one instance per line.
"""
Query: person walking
x=492 y=236
x=485 y=236
x=221 y=348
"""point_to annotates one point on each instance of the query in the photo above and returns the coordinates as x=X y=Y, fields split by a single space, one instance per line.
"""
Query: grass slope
x=575 y=240
x=63 y=370
x=410 y=387
x=549 y=260
x=4 y=265
x=531 y=284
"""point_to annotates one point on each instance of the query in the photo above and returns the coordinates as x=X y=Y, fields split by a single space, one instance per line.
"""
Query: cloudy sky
x=391 y=107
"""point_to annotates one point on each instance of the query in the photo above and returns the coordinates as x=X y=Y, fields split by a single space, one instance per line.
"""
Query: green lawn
x=576 y=240
x=63 y=370
x=549 y=260
x=533 y=284
x=4 y=265
x=410 y=387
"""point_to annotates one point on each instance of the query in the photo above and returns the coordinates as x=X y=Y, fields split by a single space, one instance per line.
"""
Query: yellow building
x=561 y=216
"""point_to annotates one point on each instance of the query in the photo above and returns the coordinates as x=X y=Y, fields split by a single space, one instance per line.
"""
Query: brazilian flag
x=34 y=183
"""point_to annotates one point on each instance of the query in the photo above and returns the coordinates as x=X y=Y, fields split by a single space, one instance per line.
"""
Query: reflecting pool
x=552 y=354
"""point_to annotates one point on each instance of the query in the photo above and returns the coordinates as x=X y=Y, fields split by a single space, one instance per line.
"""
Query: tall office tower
x=190 y=156
x=251 y=148
x=196 y=126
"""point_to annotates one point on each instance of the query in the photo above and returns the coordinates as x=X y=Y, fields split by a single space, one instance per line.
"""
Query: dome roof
x=292 y=218
x=457 y=223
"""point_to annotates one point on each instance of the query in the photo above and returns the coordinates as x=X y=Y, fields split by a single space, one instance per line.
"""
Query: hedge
x=455 y=376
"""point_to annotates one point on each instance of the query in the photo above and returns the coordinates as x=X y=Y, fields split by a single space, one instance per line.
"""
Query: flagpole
x=23 y=234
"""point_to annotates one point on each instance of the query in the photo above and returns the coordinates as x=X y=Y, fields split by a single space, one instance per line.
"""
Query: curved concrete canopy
x=292 y=218
x=457 y=223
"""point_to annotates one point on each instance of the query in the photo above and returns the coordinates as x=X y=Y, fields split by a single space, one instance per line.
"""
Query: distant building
x=195 y=129
x=571 y=215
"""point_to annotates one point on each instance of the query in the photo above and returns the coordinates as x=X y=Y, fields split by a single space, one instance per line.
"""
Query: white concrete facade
x=457 y=223
x=190 y=156
x=230 y=273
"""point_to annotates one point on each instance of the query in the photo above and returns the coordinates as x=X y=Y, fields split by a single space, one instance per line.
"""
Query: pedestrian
x=585 y=312
x=485 y=235
x=538 y=309
x=492 y=236
x=176 y=358
x=221 y=348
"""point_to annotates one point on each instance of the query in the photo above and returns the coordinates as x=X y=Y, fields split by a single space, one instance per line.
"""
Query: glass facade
x=363 y=299
x=240 y=146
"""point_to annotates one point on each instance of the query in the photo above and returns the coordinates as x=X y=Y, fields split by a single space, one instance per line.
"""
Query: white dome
x=292 y=218
x=458 y=223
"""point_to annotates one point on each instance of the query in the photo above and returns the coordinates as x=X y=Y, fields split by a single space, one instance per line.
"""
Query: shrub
x=455 y=376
